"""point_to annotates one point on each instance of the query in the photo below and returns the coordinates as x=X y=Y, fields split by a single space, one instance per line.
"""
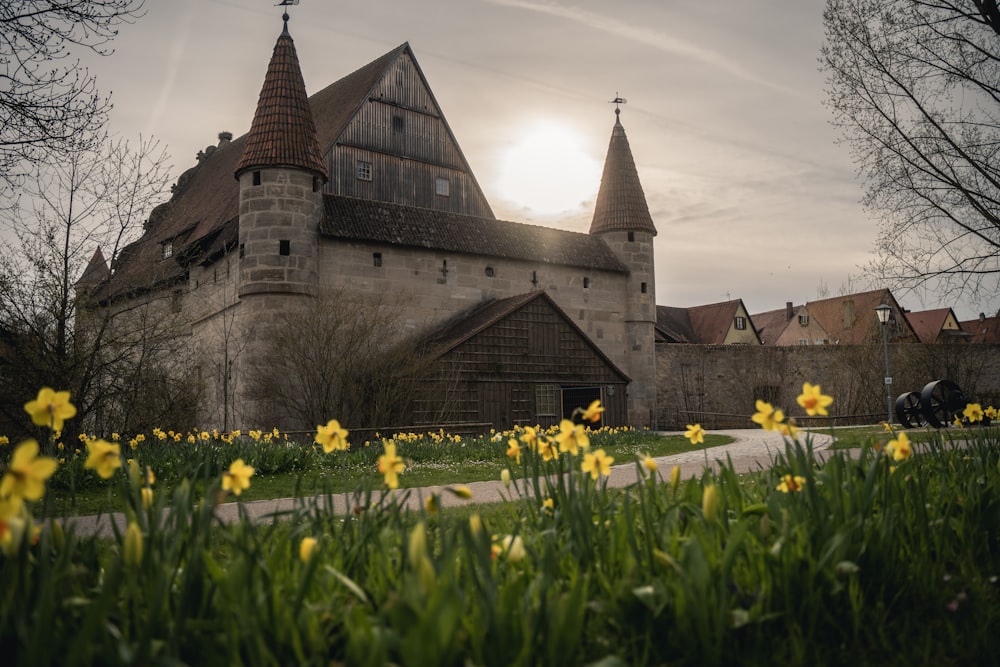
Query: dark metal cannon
x=936 y=404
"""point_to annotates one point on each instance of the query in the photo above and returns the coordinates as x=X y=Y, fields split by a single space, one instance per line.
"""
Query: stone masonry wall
x=717 y=385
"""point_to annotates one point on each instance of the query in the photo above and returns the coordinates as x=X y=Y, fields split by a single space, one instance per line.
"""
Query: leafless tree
x=914 y=85
x=48 y=100
x=339 y=357
x=59 y=331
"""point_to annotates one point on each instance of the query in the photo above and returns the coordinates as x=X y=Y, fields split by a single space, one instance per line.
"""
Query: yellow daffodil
x=513 y=547
x=767 y=416
x=597 y=464
x=514 y=450
x=899 y=448
x=332 y=437
x=973 y=412
x=957 y=421
x=813 y=400
x=710 y=502
x=990 y=412
x=307 y=547
x=27 y=472
x=530 y=438
x=547 y=450
x=649 y=463
x=433 y=503
x=132 y=547
x=791 y=484
x=104 y=457
x=549 y=506
x=237 y=478
x=593 y=412
x=391 y=465
x=572 y=437
x=695 y=433
x=50 y=408
x=146 y=494
x=460 y=491
x=788 y=428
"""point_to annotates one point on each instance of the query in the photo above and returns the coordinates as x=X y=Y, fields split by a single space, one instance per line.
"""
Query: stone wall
x=717 y=385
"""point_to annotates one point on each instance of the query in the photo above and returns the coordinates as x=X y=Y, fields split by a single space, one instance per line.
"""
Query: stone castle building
x=362 y=192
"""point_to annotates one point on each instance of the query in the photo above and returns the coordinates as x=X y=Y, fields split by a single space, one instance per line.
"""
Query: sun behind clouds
x=548 y=171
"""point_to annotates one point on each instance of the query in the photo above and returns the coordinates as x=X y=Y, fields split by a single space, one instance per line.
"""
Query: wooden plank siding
x=401 y=132
x=494 y=375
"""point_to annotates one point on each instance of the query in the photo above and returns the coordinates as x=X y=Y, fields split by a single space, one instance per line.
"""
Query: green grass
x=428 y=464
x=857 y=437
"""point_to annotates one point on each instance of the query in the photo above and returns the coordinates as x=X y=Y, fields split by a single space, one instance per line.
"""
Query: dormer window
x=803 y=320
x=168 y=249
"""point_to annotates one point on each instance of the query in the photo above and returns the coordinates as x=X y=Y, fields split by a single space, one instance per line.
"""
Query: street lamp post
x=883 y=311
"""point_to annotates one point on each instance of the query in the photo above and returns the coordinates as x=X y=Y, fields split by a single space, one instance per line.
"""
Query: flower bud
x=710 y=502
x=132 y=549
x=505 y=478
x=307 y=548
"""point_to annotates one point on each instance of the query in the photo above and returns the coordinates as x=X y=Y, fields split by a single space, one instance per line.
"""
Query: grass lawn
x=856 y=437
x=426 y=466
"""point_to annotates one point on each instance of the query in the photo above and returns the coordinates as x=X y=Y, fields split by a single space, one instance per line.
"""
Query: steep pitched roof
x=479 y=318
x=707 y=325
x=381 y=222
x=929 y=325
x=97 y=271
x=621 y=204
x=771 y=324
x=283 y=132
x=850 y=319
x=983 y=330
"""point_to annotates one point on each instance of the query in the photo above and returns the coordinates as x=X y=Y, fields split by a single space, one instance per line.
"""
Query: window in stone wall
x=377 y=259
x=586 y=283
x=284 y=247
x=631 y=237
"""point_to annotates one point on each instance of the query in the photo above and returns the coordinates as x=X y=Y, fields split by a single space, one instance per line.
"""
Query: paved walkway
x=751 y=449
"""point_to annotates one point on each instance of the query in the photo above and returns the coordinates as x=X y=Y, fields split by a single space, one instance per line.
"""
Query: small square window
x=284 y=247
x=376 y=259
x=803 y=320
x=364 y=170
x=490 y=272
x=741 y=322
x=442 y=187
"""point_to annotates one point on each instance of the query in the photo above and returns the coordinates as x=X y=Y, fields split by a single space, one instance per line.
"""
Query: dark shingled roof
x=283 y=132
x=380 y=222
x=479 y=318
x=96 y=272
x=621 y=204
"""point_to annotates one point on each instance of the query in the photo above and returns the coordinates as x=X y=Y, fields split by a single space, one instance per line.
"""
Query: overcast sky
x=751 y=195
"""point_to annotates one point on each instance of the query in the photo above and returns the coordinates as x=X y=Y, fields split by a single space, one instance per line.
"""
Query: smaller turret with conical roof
x=281 y=174
x=622 y=221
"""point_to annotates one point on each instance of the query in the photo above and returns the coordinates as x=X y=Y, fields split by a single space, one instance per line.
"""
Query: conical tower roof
x=96 y=272
x=283 y=133
x=621 y=204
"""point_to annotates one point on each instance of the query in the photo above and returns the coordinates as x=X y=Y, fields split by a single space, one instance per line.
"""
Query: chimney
x=788 y=311
x=225 y=138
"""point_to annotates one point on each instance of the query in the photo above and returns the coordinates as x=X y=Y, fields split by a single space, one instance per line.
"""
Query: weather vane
x=285 y=3
x=618 y=101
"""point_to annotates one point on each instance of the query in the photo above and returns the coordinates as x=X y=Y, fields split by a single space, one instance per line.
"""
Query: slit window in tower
x=631 y=237
x=377 y=259
x=586 y=283
x=284 y=247
x=642 y=288
x=256 y=178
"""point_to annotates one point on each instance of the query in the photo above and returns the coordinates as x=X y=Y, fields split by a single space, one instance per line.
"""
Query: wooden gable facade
x=395 y=145
x=517 y=361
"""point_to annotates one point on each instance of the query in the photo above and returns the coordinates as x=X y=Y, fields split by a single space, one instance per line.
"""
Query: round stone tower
x=622 y=221
x=281 y=175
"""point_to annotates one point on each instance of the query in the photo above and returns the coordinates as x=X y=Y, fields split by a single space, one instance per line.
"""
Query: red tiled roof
x=707 y=325
x=850 y=319
x=985 y=330
x=929 y=324
x=621 y=204
x=283 y=132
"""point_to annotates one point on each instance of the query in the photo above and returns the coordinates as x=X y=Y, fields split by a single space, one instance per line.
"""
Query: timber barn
x=357 y=202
